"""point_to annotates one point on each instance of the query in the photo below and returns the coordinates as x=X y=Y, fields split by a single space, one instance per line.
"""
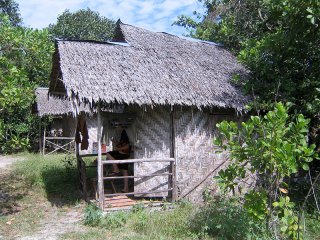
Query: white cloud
x=156 y=15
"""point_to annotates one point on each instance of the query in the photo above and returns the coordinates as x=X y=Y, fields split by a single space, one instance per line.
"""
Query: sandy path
x=6 y=161
x=55 y=222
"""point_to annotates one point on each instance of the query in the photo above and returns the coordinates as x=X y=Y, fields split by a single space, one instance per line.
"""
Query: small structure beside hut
x=168 y=91
x=59 y=135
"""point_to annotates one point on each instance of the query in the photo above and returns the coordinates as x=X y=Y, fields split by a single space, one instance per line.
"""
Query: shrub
x=226 y=219
x=92 y=215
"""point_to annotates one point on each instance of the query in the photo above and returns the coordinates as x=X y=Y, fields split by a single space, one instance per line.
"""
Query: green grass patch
x=38 y=184
x=30 y=188
x=56 y=176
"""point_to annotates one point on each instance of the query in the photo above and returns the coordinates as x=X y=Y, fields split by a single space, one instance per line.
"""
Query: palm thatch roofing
x=46 y=105
x=146 y=68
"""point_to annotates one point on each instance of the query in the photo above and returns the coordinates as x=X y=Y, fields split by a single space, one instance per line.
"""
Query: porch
x=108 y=197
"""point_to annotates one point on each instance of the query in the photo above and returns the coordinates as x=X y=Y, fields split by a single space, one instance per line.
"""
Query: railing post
x=173 y=155
x=44 y=141
x=100 y=166
x=174 y=183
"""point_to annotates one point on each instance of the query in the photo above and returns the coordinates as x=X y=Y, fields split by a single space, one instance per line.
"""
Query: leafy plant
x=225 y=218
x=92 y=215
x=84 y=24
x=276 y=41
x=24 y=64
x=268 y=148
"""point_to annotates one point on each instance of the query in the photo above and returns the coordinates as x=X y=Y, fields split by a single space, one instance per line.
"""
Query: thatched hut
x=174 y=90
x=62 y=127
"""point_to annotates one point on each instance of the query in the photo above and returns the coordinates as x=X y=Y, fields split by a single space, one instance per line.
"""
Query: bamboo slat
x=140 y=176
x=136 y=193
x=139 y=160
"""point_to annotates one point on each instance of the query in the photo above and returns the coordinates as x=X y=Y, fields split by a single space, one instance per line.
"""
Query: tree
x=278 y=41
x=82 y=25
x=25 y=62
x=11 y=9
x=269 y=148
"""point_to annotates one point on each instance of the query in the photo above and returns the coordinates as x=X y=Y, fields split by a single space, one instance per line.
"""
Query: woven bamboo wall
x=195 y=151
x=153 y=140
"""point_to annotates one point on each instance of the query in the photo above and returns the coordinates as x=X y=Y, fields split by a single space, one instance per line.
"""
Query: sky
x=154 y=15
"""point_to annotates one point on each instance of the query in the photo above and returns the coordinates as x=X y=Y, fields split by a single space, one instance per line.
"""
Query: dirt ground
x=54 y=223
x=6 y=161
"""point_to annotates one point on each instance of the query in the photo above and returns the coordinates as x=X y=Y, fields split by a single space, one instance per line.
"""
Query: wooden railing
x=64 y=144
x=100 y=195
x=171 y=183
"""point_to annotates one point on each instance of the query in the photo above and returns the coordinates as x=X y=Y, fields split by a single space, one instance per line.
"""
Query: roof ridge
x=189 y=39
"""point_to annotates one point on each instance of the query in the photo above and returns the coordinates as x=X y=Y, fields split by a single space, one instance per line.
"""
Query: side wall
x=197 y=161
x=194 y=151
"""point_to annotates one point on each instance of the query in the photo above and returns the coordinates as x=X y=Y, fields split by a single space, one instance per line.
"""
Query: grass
x=20 y=211
x=52 y=176
x=34 y=186
x=31 y=188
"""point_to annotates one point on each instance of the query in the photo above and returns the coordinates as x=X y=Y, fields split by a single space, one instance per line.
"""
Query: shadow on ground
x=11 y=191
x=62 y=186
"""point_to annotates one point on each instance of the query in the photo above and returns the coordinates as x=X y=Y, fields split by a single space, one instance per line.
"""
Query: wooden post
x=40 y=137
x=44 y=141
x=172 y=155
x=100 y=166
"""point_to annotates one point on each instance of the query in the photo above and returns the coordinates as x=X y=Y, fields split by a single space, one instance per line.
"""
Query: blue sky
x=155 y=15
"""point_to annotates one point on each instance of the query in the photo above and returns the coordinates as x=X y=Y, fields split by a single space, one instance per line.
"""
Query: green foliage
x=276 y=40
x=11 y=9
x=270 y=147
x=84 y=24
x=256 y=204
x=166 y=224
x=51 y=175
x=114 y=220
x=288 y=218
x=312 y=226
x=226 y=219
x=92 y=215
x=24 y=63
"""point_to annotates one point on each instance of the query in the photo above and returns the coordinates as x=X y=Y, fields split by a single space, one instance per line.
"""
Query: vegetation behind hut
x=84 y=24
x=24 y=64
x=26 y=56
x=11 y=9
x=278 y=41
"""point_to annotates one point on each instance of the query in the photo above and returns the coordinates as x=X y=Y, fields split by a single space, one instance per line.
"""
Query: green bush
x=311 y=226
x=92 y=215
x=114 y=220
x=226 y=219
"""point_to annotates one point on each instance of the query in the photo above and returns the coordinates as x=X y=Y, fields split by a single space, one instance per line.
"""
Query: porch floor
x=123 y=202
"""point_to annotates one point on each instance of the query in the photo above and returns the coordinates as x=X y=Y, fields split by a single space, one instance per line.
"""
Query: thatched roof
x=153 y=68
x=46 y=105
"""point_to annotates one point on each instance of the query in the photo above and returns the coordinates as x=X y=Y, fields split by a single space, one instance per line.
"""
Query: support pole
x=44 y=141
x=100 y=166
x=173 y=155
x=40 y=137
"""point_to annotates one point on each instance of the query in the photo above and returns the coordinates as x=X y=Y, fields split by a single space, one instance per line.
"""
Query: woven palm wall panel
x=153 y=140
x=197 y=160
